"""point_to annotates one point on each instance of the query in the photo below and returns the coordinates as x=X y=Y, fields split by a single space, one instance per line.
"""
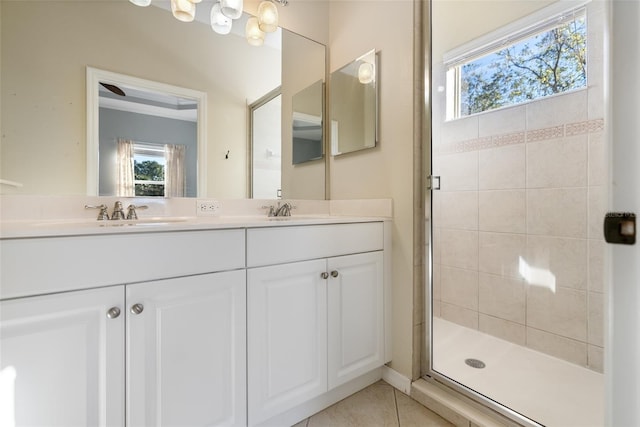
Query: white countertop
x=83 y=227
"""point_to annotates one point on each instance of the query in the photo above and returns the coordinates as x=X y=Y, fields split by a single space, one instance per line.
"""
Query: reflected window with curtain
x=125 y=161
x=147 y=169
x=175 y=177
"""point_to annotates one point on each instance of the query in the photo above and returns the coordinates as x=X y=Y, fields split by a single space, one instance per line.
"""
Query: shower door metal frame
x=476 y=399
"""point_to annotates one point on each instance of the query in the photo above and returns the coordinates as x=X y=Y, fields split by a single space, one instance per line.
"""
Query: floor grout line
x=395 y=401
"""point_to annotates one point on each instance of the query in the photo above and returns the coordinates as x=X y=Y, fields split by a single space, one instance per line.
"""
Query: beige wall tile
x=500 y=253
x=596 y=265
x=505 y=120
x=557 y=110
x=502 y=211
x=459 y=210
x=557 y=212
x=596 y=319
x=597 y=210
x=502 y=297
x=555 y=345
x=597 y=159
x=459 y=248
x=436 y=282
x=457 y=172
x=460 y=130
x=596 y=358
x=564 y=258
x=561 y=312
x=503 y=329
x=557 y=163
x=502 y=168
x=459 y=315
x=437 y=244
x=459 y=287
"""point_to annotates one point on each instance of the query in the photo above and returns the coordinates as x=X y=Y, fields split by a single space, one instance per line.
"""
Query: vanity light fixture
x=220 y=23
x=366 y=73
x=267 y=16
x=231 y=8
x=255 y=36
x=183 y=10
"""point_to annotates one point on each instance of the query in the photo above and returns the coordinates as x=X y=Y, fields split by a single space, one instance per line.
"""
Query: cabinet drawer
x=266 y=246
x=46 y=265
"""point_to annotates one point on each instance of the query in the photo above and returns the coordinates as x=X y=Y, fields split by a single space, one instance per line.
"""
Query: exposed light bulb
x=183 y=10
x=231 y=8
x=366 y=73
x=255 y=36
x=220 y=23
x=143 y=3
x=268 y=16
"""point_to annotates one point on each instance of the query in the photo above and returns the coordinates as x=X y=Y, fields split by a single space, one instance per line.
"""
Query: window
x=149 y=169
x=546 y=58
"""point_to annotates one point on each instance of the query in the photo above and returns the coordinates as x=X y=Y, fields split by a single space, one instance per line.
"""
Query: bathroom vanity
x=214 y=322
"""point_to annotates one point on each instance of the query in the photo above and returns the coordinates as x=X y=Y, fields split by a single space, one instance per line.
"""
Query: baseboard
x=396 y=379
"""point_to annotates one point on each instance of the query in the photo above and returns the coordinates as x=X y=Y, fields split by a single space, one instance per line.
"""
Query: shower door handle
x=433 y=182
x=620 y=227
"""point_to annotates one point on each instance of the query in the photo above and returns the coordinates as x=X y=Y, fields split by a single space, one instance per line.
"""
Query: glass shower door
x=517 y=284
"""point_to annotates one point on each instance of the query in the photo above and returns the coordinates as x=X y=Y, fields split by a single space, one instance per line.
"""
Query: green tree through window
x=551 y=62
x=149 y=170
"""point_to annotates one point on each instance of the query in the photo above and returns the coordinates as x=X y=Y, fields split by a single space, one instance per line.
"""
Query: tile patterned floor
x=377 y=405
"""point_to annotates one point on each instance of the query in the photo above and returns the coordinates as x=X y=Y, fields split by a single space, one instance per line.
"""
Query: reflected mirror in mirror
x=307 y=123
x=44 y=113
x=354 y=105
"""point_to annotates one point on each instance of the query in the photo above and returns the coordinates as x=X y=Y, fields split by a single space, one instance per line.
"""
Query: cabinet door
x=186 y=351
x=287 y=321
x=62 y=359
x=356 y=334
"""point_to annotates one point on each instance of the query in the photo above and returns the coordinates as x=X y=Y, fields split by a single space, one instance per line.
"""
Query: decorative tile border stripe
x=545 y=134
x=569 y=129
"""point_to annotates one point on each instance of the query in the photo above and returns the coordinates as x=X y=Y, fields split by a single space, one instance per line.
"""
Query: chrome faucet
x=131 y=211
x=102 y=214
x=118 y=212
x=281 y=210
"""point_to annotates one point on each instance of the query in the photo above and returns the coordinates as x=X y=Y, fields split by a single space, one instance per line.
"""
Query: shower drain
x=475 y=363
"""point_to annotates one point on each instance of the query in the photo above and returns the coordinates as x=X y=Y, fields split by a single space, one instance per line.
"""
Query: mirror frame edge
x=93 y=77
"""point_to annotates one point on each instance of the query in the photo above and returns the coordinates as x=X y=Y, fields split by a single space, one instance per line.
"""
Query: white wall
x=385 y=171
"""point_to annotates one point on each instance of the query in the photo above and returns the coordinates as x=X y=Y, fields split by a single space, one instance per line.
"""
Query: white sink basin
x=111 y=223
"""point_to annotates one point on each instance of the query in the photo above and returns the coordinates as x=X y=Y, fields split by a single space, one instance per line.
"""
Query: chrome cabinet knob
x=334 y=273
x=137 y=308
x=113 y=312
x=324 y=275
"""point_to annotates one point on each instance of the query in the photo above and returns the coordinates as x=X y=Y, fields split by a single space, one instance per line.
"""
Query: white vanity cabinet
x=186 y=351
x=62 y=359
x=156 y=352
x=312 y=325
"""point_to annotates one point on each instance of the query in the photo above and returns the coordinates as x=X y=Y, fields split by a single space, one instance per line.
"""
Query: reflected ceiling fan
x=113 y=88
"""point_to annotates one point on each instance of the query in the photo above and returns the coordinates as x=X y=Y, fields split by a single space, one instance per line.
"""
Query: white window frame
x=544 y=19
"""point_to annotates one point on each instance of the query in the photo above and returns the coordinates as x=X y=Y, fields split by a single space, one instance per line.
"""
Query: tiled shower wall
x=518 y=249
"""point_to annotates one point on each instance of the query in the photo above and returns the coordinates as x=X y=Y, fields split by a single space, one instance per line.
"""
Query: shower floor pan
x=551 y=391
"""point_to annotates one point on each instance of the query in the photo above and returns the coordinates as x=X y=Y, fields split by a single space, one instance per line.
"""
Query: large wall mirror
x=44 y=94
x=354 y=105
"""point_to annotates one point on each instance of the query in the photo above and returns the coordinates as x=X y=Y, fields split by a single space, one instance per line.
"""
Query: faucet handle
x=103 y=214
x=118 y=213
x=131 y=211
